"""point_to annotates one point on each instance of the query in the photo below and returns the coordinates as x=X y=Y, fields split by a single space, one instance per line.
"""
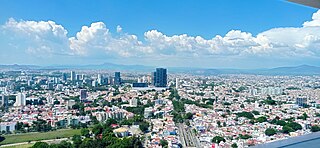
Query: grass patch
x=17 y=138
x=20 y=146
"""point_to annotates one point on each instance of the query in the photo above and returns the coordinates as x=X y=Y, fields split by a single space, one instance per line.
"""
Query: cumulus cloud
x=97 y=37
x=47 y=37
x=119 y=29
x=315 y=20
x=40 y=38
x=301 y=41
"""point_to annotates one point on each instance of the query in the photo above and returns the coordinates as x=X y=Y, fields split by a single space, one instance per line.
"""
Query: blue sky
x=202 y=33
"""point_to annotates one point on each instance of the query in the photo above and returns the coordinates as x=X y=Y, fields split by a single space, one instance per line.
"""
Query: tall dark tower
x=160 y=78
x=117 y=78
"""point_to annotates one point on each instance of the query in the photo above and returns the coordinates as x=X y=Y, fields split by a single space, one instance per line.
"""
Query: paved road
x=32 y=142
x=188 y=139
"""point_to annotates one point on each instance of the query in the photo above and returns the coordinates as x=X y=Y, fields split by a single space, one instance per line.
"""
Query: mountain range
x=295 y=70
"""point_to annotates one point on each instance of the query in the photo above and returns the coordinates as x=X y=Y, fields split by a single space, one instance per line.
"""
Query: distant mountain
x=297 y=70
x=104 y=66
x=19 y=67
x=302 y=69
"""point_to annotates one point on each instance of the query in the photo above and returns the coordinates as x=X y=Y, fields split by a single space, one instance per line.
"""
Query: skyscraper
x=20 y=99
x=177 y=83
x=4 y=100
x=72 y=76
x=83 y=94
x=160 y=77
x=153 y=78
x=100 y=79
x=117 y=78
x=64 y=77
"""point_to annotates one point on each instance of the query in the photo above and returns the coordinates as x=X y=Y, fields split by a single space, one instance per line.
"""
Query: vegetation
x=287 y=129
x=270 y=131
x=303 y=117
x=255 y=112
x=269 y=102
x=248 y=115
x=85 y=132
x=261 y=119
x=246 y=136
x=234 y=145
x=164 y=143
x=17 y=138
x=104 y=137
x=217 y=139
x=315 y=128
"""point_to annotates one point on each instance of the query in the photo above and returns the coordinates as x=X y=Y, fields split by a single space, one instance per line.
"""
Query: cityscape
x=158 y=89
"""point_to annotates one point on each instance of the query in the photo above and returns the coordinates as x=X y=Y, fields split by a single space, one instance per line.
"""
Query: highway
x=188 y=138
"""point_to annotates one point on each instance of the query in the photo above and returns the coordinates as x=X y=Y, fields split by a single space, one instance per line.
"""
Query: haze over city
x=208 y=34
x=159 y=74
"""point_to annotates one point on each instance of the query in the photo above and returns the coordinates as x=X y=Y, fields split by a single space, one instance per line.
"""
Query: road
x=32 y=142
x=188 y=138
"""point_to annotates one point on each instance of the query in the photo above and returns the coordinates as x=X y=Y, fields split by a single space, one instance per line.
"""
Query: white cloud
x=97 y=37
x=315 y=20
x=47 y=38
x=119 y=29
x=38 y=38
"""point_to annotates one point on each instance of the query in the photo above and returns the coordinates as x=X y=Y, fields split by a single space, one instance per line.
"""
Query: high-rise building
x=100 y=79
x=72 y=76
x=177 y=83
x=133 y=102
x=117 y=78
x=20 y=99
x=83 y=94
x=301 y=101
x=4 y=100
x=64 y=77
x=160 y=77
x=94 y=83
x=50 y=86
x=78 y=77
x=153 y=78
x=111 y=80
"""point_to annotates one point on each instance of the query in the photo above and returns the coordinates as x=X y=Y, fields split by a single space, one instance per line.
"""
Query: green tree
x=63 y=144
x=164 y=143
x=248 y=115
x=270 y=131
x=315 y=128
x=234 y=145
x=246 y=136
x=188 y=115
x=217 y=139
x=294 y=125
x=219 y=123
x=40 y=145
x=77 y=140
x=255 y=112
x=97 y=129
x=287 y=129
x=262 y=119
x=85 y=132
x=144 y=126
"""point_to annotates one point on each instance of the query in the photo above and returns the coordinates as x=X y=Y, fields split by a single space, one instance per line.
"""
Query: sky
x=189 y=33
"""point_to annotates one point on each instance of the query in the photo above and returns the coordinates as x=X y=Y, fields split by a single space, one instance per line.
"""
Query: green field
x=17 y=138
x=20 y=146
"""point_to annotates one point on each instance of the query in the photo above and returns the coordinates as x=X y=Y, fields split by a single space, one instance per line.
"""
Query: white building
x=133 y=102
x=177 y=83
x=20 y=99
x=8 y=126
